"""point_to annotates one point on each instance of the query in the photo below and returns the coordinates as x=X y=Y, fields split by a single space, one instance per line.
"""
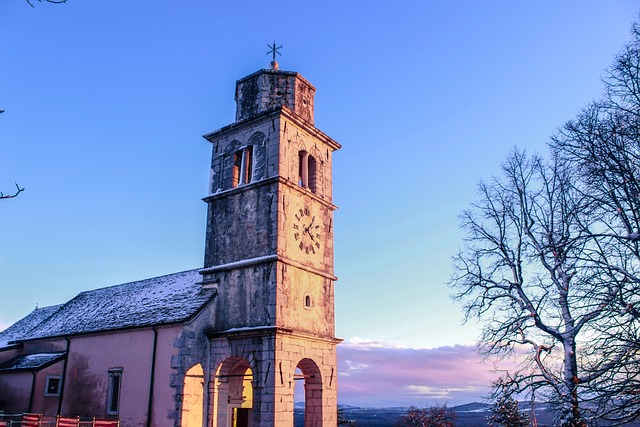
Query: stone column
x=243 y=167
x=304 y=169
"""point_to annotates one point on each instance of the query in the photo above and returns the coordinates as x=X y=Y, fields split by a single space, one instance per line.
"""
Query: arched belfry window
x=307 y=171
x=242 y=166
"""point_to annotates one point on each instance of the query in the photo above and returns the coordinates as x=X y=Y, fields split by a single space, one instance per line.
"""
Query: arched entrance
x=233 y=394
x=193 y=397
x=309 y=373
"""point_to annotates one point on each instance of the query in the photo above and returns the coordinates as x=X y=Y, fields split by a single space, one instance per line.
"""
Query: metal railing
x=40 y=420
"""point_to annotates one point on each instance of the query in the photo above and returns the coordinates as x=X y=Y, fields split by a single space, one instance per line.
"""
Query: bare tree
x=551 y=263
x=435 y=416
x=526 y=271
x=602 y=144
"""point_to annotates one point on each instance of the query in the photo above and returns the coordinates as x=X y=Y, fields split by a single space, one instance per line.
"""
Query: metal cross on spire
x=273 y=50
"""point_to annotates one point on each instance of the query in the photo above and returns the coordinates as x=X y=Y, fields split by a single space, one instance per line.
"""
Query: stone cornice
x=259 y=331
x=271 y=114
x=264 y=260
x=268 y=181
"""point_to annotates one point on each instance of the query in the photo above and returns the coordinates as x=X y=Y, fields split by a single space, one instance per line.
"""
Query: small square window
x=53 y=385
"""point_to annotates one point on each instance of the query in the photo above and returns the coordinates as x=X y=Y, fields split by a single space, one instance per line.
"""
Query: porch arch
x=233 y=393
x=193 y=398
x=312 y=392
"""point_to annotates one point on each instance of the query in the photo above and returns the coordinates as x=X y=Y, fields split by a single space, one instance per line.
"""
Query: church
x=225 y=344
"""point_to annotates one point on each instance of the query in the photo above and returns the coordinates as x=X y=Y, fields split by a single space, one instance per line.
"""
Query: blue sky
x=106 y=102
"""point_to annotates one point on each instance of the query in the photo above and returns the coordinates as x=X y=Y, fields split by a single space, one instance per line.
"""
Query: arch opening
x=308 y=374
x=193 y=397
x=233 y=393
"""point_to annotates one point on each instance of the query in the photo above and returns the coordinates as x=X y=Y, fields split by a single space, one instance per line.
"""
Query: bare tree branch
x=47 y=1
x=11 y=196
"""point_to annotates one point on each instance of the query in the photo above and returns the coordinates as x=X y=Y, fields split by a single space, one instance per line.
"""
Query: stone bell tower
x=269 y=255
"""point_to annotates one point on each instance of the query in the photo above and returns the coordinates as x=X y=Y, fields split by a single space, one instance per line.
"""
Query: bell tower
x=269 y=255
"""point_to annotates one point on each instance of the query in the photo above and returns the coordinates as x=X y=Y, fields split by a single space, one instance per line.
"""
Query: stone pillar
x=243 y=167
x=304 y=169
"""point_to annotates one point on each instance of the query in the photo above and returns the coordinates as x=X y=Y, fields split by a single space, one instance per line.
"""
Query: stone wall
x=269 y=89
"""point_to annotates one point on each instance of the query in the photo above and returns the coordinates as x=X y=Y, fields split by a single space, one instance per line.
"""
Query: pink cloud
x=377 y=374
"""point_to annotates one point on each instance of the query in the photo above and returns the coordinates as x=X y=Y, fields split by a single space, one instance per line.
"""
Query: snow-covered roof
x=26 y=324
x=32 y=362
x=161 y=300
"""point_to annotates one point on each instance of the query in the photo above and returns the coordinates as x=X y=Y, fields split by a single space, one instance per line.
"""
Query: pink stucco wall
x=163 y=392
x=90 y=358
x=43 y=404
x=16 y=389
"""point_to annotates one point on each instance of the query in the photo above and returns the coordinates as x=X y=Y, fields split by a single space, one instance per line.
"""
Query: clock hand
x=308 y=229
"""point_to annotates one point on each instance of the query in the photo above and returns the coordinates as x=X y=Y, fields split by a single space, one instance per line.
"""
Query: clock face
x=307 y=231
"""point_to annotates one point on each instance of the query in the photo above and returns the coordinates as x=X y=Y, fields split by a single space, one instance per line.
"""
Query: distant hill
x=469 y=415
